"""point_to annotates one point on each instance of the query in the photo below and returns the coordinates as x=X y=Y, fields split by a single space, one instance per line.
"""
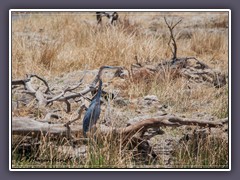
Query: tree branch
x=172 y=38
x=29 y=126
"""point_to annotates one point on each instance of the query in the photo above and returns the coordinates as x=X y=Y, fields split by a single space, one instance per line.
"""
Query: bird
x=112 y=16
x=93 y=112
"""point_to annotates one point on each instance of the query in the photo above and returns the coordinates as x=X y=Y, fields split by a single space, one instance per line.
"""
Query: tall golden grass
x=68 y=42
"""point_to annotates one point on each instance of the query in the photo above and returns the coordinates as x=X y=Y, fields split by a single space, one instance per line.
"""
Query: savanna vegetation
x=62 y=46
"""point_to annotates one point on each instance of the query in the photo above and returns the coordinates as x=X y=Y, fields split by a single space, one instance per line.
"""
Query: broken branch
x=172 y=38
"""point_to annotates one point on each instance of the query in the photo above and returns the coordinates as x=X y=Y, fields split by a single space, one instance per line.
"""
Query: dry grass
x=63 y=43
x=55 y=44
x=211 y=152
x=102 y=152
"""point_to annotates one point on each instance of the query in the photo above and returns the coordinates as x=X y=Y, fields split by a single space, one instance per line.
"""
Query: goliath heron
x=93 y=112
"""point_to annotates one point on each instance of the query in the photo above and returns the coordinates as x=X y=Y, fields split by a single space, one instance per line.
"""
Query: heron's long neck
x=99 y=89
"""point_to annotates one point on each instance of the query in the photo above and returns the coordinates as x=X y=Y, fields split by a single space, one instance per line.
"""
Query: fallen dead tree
x=31 y=127
x=188 y=67
x=131 y=136
x=47 y=97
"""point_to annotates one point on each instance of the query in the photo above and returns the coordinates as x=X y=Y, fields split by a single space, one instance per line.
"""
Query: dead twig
x=172 y=38
x=80 y=110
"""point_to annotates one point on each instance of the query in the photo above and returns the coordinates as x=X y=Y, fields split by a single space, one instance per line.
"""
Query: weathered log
x=29 y=126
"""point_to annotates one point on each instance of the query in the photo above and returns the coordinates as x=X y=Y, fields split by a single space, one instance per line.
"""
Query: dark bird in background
x=93 y=112
x=112 y=16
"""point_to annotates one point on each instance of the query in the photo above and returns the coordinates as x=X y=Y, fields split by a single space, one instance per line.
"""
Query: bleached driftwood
x=47 y=97
x=31 y=127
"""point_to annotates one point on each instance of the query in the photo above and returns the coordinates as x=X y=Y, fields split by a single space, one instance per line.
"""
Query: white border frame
x=120 y=10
